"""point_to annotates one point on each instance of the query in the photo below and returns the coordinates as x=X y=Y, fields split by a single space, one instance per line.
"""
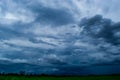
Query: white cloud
x=14 y=60
x=11 y=18
x=27 y=43
x=87 y=8
x=12 y=12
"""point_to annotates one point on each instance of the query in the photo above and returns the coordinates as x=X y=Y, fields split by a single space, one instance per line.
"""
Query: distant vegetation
x=59 y=77
x=23 y=76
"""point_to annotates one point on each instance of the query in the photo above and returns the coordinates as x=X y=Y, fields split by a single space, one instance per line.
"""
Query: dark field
x=59 y=78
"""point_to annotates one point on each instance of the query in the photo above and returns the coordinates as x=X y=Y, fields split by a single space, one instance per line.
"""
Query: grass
x=60 y=78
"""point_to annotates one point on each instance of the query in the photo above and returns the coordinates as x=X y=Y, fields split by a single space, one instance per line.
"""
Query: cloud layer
x=60 y=37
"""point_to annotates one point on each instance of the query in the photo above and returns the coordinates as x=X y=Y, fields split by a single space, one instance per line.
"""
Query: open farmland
x=60 y=78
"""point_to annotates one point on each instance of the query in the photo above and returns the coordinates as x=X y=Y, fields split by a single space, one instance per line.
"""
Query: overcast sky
x=60 y=36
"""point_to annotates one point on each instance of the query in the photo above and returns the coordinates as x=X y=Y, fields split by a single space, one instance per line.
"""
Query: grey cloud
x=60 y=17
x=67 y=47
x=55 y=62
x=35 y=11
x=76 y=50
x=99 y=27
x=52 y=16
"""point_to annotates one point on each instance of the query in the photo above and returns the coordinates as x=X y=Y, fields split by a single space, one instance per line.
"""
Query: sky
x=64 y=37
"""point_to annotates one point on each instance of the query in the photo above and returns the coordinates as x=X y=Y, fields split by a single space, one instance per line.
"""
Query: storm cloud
x=59 y=37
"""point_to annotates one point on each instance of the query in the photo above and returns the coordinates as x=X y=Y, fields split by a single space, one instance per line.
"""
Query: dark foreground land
x=115 y=77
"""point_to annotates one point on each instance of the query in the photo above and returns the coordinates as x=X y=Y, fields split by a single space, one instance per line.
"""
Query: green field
x=59 y=78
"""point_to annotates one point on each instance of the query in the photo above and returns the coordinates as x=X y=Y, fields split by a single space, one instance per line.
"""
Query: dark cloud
x=97 y=44
x=55 y=17
x=6 y=33
x=29 y=42
x=88 y=70
x=99 y=27
x=56 y=62
x=44 y=14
